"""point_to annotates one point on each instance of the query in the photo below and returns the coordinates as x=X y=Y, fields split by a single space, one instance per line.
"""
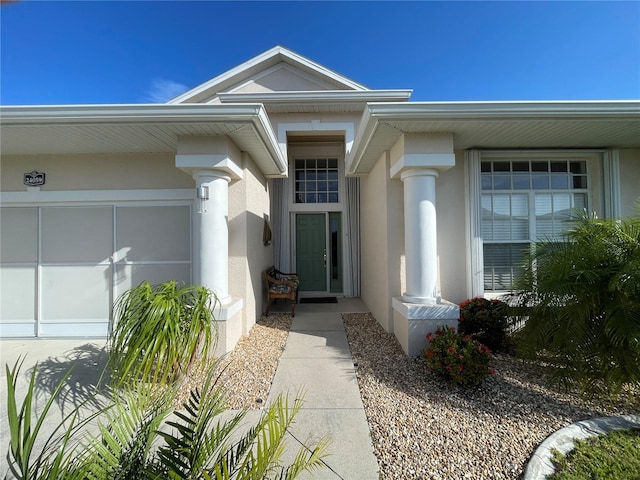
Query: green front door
x=311 y=251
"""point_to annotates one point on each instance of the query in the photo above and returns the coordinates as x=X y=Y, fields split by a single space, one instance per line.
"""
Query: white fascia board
x=265 y=131
x=368 y=127
x=376 y=113
x=505 y=110
x=320 y=96
x=128 y=114
x=254 y=115
x=228 y=76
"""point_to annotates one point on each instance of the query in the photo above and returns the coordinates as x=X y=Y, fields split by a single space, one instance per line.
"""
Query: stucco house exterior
x=412 y=206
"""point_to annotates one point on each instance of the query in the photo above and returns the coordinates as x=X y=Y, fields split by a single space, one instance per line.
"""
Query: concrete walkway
x=317 y=361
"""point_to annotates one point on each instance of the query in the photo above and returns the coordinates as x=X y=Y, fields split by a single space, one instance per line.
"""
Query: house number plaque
x=34 y=179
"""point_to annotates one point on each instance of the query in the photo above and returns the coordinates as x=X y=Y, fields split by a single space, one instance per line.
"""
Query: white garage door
x=61 y=267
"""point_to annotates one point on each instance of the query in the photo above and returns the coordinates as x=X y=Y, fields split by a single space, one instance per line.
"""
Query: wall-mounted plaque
x=34 y=179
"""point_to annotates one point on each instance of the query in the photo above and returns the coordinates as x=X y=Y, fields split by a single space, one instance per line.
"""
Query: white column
x=421 y=253
x=212 y=232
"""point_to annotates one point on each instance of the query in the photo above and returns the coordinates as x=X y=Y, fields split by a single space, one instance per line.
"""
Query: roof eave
x=254 y=115
x=377 y=114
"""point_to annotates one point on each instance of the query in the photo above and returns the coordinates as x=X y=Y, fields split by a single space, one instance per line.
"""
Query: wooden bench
x=281 y=285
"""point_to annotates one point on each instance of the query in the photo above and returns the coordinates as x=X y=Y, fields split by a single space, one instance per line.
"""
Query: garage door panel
x=57 y=270
x=153 y=233
x=18 y=293
x=77 y=234
x=79 y=293
x=18 y=234
x=129 y=276
x=18 y=305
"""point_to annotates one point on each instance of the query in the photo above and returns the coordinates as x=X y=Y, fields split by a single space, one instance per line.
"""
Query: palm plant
x=140 y=437
x=29 y=457
x=160 y=331
x=581 y=301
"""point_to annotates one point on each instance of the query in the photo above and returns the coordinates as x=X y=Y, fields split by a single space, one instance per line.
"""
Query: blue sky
x=139 y=52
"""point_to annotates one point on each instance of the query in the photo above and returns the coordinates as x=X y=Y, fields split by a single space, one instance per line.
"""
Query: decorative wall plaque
x=34 y=179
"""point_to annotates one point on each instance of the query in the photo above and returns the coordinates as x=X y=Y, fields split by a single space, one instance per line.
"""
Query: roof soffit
x=275 y=60
x=98 y=129
x=498 y=125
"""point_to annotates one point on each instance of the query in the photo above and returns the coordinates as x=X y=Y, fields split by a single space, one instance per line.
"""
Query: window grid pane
x=316 y=180
x=524 y=201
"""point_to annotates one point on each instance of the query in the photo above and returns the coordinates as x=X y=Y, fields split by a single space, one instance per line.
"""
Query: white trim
x=475 y=264
x=267 y=59
x=506 y=110
x=316 y=126
x=473 y=188
x=223 y=312
x=316 y=96
x=128 y=114
x=611 y=190
x=412 y=161
x=96 y=196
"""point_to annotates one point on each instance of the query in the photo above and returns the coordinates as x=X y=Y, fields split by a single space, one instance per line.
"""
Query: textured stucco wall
x=451 y=221
x=382 y=233
x=95 y=172
x=248 y=257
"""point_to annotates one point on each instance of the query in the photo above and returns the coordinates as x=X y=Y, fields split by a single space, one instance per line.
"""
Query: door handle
x=324 y=257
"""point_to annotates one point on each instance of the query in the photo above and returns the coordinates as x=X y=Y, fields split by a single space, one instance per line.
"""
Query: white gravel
x=422 y=427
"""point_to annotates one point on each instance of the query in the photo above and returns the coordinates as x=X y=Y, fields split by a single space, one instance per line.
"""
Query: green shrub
x=581 y=302
x=137 y=435
x=486 y=321
x=160 y=331
x=457 y=358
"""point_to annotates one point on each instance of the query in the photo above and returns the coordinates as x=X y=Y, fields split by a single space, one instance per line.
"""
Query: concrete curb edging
x=540 y=464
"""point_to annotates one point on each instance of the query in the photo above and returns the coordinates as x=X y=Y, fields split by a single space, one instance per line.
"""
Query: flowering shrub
x=486 y=321
x=456 y=357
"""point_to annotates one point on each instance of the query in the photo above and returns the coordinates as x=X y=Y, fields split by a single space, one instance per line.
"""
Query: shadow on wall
x=252 y=254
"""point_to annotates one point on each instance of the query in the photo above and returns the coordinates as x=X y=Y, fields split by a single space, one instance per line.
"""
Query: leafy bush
x=457 y=358
x=486 y=321
x=160 y=331
x=581 y=302
x=139 y=436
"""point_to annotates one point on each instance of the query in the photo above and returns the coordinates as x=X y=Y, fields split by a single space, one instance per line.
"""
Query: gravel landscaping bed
x=422 y=427
x=246 y=373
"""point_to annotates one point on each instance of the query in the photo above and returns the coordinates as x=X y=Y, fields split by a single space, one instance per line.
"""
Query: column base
x=229 y=325
x=412 y=322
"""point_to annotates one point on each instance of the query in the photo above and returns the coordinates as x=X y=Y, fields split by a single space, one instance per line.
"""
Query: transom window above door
x=316 y=180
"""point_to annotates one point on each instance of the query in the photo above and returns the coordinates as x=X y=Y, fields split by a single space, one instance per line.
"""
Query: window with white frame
x=316 y=180
x=524 y=200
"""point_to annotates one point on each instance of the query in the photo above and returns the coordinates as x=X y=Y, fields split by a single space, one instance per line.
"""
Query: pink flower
x=492 y=371
x=452 y=329
x=448 y=368
x=430 y=337
x=429 y=353
x=451 y=349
